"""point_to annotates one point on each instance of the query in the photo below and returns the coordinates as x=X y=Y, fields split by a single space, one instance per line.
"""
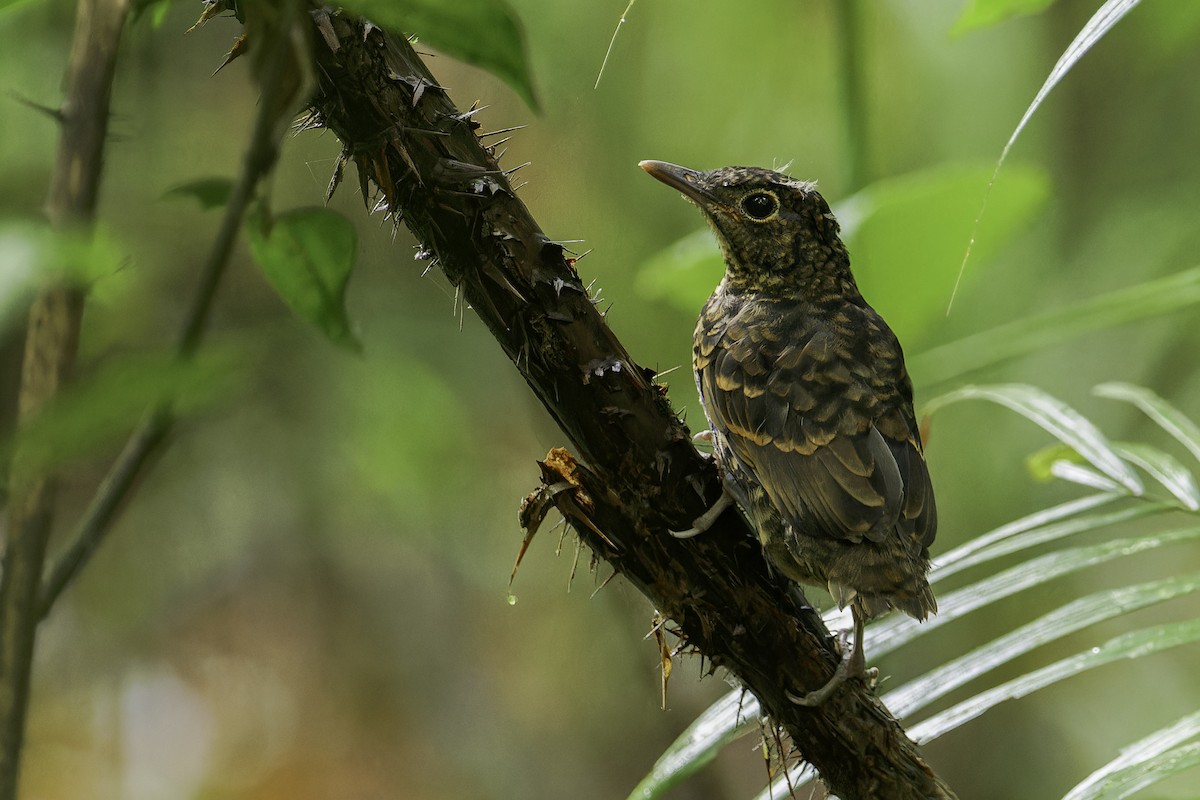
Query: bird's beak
x=688 y=181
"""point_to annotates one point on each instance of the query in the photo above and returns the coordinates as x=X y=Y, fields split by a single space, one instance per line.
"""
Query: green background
x=307 y=597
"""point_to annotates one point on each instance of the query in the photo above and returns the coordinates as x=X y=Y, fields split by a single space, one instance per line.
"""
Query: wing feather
x=827 y=431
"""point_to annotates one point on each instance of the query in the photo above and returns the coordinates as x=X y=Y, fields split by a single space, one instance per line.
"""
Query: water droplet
x=512 y=599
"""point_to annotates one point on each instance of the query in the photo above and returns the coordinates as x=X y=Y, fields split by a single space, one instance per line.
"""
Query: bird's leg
x=705 y=521
x=854 y=665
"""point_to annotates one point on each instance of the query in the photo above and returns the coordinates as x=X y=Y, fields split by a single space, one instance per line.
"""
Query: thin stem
x=149 y=437
x=108 y=500
x=51 y=343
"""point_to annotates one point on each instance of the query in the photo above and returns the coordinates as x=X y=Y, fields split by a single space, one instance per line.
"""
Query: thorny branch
x=642 y=475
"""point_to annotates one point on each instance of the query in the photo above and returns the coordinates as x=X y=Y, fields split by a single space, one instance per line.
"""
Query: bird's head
x=777 y=233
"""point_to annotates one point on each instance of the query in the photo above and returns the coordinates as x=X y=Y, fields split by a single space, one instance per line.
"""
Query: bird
x=809 y=404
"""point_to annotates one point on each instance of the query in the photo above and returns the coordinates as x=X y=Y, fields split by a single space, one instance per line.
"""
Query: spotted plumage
x=808 y=399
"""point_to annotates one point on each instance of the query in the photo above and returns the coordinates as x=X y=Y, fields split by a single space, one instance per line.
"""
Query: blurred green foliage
x=308 y=255
x=31 y=254
x=981 y=13
x=308 y=595
x=486 y=33
x=208 y=192
x=101 y=407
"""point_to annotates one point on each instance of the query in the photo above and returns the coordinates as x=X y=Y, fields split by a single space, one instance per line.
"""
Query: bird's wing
x=832 y=440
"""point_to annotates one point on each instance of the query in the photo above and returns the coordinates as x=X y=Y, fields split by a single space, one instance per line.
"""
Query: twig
x=261 y=155
x=51 y=342
x=109 y=497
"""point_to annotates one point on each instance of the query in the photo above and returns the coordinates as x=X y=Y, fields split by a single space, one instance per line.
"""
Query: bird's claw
x=705 y=521
x=818 y=696
x=853 y=665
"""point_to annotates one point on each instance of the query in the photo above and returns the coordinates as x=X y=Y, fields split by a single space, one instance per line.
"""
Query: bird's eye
x=760 y=205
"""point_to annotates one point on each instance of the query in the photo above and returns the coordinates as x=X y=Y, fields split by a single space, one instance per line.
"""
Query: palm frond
x=1162 y=754
x=1060 y=622
x=1123 y=468
x=1134 y=644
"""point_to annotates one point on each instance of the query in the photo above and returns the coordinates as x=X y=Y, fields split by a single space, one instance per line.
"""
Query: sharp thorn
x=503 y=130
x=55 y=114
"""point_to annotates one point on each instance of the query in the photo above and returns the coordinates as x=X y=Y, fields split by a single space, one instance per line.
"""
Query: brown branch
x=53 y=331
x=643 y=477
x=276 y=68
x=51 y=342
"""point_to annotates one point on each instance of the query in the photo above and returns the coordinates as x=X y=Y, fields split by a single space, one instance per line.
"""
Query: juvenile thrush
x=809 y=402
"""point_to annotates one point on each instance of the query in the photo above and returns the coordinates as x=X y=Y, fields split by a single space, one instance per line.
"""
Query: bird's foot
x=853 y=665
x=705 y=521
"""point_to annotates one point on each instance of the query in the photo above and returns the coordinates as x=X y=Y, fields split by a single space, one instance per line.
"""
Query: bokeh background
x=308 y=596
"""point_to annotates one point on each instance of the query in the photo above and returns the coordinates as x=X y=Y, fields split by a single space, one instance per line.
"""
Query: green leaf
x=1082 y=475
x=734 y=715
x=1056 y=418
x=889 y=634
x=1095 y=608
x=981 y=548
x=307 y=255
x=1061 y=462
x=1165 y=469
x=1041 y=463
x=1145 y=762
x=1148 y=771
x=1101 y=23
x=486 y=33
x=99 y=410
x=1003 y=541
x=210 y=192
x=983 y=13
x=1169 y=418
x=987 y=348
x=1135 y=644
x=906 y=234
x=1063 y=621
